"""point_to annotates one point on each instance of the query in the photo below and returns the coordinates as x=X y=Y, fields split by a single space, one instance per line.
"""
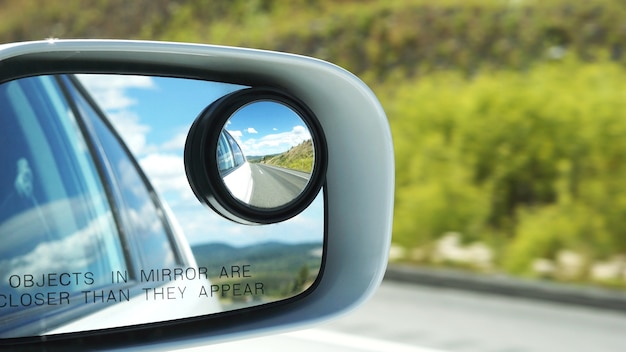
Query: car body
x=234 y=167
x=77 y=207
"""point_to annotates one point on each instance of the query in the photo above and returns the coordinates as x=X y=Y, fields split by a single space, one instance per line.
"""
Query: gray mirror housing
x=359 y=182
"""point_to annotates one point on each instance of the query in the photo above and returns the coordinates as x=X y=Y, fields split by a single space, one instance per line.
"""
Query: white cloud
x=251 y=130
x=87 y=244
x=236 y=133
x=133 y=132
x=175 y=143
x=167 y=174
x=110 y=90
x=201 y=225
x=275 y=143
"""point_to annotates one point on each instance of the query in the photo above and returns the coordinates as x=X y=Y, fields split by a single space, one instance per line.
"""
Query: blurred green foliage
x=530 y=162
x=371 y=38
x=507 y=115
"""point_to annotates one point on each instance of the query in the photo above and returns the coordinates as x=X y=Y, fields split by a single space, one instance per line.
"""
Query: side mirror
x=278 y=171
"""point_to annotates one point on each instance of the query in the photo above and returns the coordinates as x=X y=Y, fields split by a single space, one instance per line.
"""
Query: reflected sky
x=266 y=128
x=153 y=116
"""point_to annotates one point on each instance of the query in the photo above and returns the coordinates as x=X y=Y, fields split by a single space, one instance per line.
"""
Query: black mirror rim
x=201 y=164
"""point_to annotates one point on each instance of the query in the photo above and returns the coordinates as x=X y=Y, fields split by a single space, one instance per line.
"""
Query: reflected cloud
x=78 y=250
x=111 y=90
x=274 y=143
x=307 y=227
x=167 y=174
x=176 y=143
x=132 y=131
x=111 y=93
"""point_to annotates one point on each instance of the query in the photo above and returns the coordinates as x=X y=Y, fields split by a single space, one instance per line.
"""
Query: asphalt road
x=406 y=317
x=273 y=186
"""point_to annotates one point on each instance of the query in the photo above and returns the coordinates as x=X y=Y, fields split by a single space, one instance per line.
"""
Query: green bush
x=546 y=231
x=372 y=39
x=536 y=159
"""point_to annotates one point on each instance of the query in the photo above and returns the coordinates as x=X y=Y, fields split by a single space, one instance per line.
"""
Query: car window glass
x=144 y=217
x=225 y=158
x=59 y=237
x=237 y=153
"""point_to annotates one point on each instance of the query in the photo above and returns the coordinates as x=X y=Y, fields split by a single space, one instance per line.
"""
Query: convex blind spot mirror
x=281 y=169
x=272 y=182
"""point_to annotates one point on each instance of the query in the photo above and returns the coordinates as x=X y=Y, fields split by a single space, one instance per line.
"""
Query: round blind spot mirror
x=265 y=154
x=256 y=156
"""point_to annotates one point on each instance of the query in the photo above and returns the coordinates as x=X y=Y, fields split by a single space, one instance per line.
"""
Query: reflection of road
x=274 y=186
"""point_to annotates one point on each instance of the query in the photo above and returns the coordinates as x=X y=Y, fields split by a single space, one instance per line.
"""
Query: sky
x=153 y=116
x=266 y=128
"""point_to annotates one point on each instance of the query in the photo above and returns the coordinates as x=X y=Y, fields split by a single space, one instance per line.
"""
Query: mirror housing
x=359 y=180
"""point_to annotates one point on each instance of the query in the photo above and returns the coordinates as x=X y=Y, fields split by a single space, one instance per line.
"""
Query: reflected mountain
x=283 y=269
x=270 y=256
x=300 y=157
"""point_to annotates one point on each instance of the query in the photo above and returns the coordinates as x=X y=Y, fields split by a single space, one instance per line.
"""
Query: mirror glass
x=265 y=154
x=89 y=243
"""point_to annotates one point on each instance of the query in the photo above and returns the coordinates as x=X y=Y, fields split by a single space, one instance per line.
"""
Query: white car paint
x=239 y=182
x=141 y=310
